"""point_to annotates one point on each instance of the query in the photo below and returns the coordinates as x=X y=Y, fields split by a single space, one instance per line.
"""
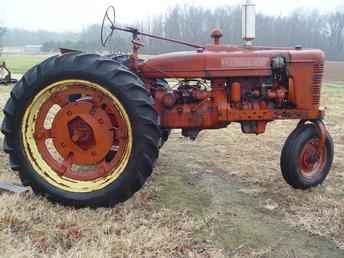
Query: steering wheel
x=108 y=20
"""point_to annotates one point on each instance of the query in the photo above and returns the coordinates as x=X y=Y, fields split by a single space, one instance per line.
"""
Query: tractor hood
x=224 y=61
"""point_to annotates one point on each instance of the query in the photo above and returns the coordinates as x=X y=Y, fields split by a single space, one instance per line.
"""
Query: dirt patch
x=242 y=214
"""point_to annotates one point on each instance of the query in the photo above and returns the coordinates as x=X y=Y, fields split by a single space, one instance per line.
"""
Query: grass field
x=219 y=196
x=334 y=72
x=20 y=63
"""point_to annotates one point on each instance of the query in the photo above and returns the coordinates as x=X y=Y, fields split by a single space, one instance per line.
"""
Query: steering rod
x=137 y=32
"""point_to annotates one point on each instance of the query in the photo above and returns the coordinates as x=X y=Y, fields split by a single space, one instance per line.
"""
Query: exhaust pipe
x=248 y=22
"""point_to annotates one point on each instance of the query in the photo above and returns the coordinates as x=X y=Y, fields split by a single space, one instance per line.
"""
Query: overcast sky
x=72 y=15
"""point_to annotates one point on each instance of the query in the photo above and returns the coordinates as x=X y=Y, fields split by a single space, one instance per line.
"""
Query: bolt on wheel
x=313 y=158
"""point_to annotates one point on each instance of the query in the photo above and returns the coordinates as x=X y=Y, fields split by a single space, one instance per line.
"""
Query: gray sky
x=72 y=15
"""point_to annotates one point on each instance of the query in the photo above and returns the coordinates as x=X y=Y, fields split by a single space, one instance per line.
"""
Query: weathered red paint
x=82 y=133
x=312 y=158
x=220 y=63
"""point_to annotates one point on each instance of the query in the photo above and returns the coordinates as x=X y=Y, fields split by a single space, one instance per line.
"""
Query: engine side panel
x=248 y=85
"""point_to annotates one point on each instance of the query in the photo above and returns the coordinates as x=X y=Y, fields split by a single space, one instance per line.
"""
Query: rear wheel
x=304 y=163
x=81 y=130
x=124 y=60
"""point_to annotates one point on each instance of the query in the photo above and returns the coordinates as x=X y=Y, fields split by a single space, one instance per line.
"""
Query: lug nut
x=38 y=136
x=75 y=138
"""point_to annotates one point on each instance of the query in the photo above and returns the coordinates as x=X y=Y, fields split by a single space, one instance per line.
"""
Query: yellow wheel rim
x=40 y=164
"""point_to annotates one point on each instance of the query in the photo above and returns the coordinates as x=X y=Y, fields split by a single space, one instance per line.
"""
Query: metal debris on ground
x=12 y=188
x=6 y=75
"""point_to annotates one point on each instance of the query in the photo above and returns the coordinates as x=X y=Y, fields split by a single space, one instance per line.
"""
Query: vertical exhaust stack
x=248 y=22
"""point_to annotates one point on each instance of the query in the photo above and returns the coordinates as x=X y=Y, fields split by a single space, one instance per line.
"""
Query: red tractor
x=85 y=130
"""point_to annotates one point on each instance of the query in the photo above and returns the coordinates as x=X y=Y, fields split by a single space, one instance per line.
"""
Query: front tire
x=303 y=163
x=93 y=96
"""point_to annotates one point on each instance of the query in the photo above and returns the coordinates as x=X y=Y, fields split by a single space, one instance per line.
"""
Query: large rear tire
x=88 y=166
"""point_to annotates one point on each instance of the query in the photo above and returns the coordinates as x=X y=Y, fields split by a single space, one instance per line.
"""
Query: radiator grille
x=318 y=70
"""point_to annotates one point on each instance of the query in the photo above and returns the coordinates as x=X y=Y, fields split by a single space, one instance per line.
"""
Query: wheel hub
x=82 y=131
x=311 y=157
x=77 y=135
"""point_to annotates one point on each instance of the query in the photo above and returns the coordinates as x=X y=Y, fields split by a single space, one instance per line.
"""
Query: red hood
x=223 y=61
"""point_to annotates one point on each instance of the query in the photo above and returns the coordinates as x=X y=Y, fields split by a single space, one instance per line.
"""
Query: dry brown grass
x=254 y=162
x=220 y=196
x=33 y=227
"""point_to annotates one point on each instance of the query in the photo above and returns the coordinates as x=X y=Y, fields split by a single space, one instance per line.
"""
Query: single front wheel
x=304 y=162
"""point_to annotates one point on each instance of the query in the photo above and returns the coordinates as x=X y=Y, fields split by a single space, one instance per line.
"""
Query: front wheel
x=304 y=163
x=81 y=130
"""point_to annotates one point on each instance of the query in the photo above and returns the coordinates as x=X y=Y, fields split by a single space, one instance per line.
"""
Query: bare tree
x=2 y=32
x=308 y=28
x=336 y=26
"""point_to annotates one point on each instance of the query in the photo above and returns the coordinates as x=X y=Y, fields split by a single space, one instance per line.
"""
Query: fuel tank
x=225 y=61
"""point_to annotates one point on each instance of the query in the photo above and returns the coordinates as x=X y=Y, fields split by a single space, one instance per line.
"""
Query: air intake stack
x=248 y=21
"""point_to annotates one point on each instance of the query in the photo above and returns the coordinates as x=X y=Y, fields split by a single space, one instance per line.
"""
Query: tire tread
x=103 y=71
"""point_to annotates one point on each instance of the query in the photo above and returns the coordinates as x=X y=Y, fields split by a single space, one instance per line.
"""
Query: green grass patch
x=335 y=85
x=331 y=87
x=21 y=63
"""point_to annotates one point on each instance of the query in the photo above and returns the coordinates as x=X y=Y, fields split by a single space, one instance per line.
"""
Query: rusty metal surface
x=234 y=72
x=85 y=130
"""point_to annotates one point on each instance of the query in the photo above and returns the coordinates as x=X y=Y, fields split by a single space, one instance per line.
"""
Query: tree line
x=2 y=32
x=191 y=23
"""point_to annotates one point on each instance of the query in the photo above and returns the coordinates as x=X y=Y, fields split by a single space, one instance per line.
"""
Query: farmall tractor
x=85 y=130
